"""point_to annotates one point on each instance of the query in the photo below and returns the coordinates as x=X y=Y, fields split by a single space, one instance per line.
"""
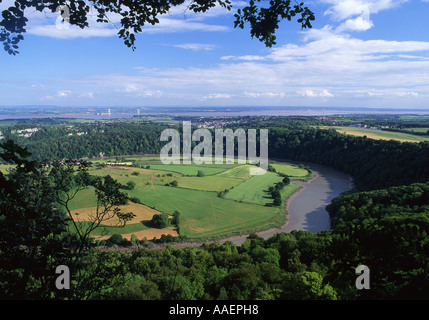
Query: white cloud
x=179 y=24
x=407 y=93
x=134 y=87
x=357 y=24
x=74 y=32
x=217 y=96
x=325 y=93
x=328 y=66
x=356 y=14
x=63 y=93
x=322 y=93
x=244 y=58
x=87 y=95
x=196 y=46
x=151 y=93
x=130 y=87
x=345 y=9
x=264 y=94
x=328 y=44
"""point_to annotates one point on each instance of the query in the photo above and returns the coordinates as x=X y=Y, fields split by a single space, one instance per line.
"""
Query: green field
x=189 y=170
x=241 y=172
x=419 y=129
x=379 y=134
x=208 y=183
x=246 y=207
x=204 y=214
x=292 y=171
x=255 y=189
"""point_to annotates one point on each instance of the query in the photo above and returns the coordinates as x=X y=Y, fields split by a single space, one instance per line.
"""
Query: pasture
x=246 y=207
x=292 y=171
x=203 y=213
x=379 y=134
x=255 y=189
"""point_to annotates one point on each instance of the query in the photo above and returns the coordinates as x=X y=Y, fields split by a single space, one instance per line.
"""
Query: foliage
x=160 y=221
x=34 y=215
x=264 y=21
x=31 y=241
x=200 y=173
x=135 y=15
x=114 y=139
x=372 y=163
x=173 y=183
x=221 y=194
x=131 y=185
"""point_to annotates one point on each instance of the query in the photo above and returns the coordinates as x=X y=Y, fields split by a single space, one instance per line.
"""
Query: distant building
x=26 y=133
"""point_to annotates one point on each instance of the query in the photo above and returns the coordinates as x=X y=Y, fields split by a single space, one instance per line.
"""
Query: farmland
x=255 y=190
x=379 y=134
x=245 y=207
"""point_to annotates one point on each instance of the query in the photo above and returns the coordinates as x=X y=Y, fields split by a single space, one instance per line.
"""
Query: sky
x=359 y=54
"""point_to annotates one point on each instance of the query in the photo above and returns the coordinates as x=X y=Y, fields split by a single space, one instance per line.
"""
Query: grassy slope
x=255 y=189
x=292 y=171
x=190 y=170
x=204 y=214
x=380 y=135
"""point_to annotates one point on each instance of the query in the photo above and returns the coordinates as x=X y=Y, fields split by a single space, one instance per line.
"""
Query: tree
x=131 y=185
x=286 y=180
x=200 y=173
x=35 y=219
x=32 y=226
x=263 y=21
x=277 y=201
x=176 y=217
x=115 y=239
x=69 y=178
x=308 y=286
x=160 y=221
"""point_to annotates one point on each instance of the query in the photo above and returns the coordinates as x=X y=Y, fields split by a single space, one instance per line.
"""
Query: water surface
x=307 y=209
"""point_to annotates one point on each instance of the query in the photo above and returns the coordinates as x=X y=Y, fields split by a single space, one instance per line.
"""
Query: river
x=307 y=207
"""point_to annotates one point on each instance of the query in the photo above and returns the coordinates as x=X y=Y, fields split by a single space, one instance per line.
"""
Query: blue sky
x=359 y=53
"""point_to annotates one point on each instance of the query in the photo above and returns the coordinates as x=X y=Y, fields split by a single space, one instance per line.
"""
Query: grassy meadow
x=255 y=189
x=246 y=207
x=379 y=134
